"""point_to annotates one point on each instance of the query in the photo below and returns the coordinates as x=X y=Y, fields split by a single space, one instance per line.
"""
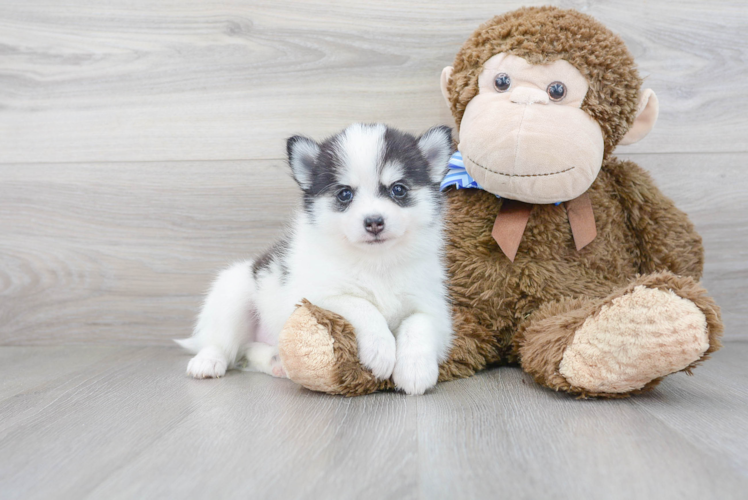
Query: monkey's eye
x=502 y=82
x=399 y=191
x=556 y=91
x=345 y=195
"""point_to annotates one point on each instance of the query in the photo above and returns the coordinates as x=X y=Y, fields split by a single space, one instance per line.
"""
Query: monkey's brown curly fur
x=528 y=311
x=545 y=34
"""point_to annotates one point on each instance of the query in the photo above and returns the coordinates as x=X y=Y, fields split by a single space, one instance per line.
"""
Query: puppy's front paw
x=209 y=363
x=377 y=353
x=415 y=374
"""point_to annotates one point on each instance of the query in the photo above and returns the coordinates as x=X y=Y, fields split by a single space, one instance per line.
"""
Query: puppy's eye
x=345 y=195
x=399 y=191
x=502 y=82
x=557 y=91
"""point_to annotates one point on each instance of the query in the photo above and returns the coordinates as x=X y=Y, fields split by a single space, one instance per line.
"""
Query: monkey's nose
x=374 y=224
x=527 y=95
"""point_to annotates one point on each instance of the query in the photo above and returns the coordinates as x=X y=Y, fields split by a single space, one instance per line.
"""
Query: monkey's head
x=541 y=96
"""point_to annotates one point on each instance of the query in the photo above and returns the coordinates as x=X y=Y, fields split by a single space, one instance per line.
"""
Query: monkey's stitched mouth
x=517 y=175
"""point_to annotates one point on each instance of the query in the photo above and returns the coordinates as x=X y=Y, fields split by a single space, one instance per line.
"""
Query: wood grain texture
x=710 y=425
x=137 y=427
x=122 y=253
x=129 y=424
x=593 y=448
x=25 y=368
x=143 y=80
x=93 y=253
x=527 y=442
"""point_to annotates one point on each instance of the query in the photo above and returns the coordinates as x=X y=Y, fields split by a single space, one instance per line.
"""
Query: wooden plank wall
x=142 y=142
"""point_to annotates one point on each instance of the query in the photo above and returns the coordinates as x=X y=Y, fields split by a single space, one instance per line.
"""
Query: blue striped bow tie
x=457 y=176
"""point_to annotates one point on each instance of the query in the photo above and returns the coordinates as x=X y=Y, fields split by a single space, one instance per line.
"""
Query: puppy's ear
x=302 y=153
x=436 y=146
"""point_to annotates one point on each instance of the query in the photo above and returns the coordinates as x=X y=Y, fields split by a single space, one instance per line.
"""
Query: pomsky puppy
x=367 y=245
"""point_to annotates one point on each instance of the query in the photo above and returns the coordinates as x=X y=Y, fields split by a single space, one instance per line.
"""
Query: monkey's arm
x=666 y=238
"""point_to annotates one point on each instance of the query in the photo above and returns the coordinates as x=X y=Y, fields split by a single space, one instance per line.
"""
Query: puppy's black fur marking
x=403 y=149
x=276 y=253
x=324 y=174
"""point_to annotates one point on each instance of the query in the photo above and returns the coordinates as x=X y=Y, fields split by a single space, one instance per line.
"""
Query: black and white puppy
x=367 y=245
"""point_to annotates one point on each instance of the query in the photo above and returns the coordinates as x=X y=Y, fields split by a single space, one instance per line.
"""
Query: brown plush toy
x=566 y=260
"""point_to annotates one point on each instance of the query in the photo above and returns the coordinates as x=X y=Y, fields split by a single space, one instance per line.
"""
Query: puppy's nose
x=374 y=224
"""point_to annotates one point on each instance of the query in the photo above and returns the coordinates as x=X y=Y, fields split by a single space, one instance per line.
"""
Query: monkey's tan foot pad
x=638 y=337
x=318 y=350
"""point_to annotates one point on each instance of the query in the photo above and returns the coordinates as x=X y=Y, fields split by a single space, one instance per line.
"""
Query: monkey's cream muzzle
x=527 y=95
x=521 y=145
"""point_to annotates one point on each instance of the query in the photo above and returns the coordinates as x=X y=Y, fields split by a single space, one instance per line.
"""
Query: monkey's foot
x=622 y=344
x=319 y=351
x=638 y=337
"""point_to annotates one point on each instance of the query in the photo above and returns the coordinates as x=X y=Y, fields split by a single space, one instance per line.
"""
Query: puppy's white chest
x=393 y=300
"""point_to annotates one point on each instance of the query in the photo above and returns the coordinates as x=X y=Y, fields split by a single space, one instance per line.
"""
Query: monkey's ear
x=436 y=146
x=646 y=116
x=446 y=77
x=302 y=154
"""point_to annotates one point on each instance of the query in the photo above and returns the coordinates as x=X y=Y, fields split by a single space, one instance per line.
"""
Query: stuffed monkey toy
x=561 y=257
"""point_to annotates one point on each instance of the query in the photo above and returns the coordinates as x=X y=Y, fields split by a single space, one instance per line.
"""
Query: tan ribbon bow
x=512 y=219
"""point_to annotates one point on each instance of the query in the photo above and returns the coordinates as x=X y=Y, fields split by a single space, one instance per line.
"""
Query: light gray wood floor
x=125 y=422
